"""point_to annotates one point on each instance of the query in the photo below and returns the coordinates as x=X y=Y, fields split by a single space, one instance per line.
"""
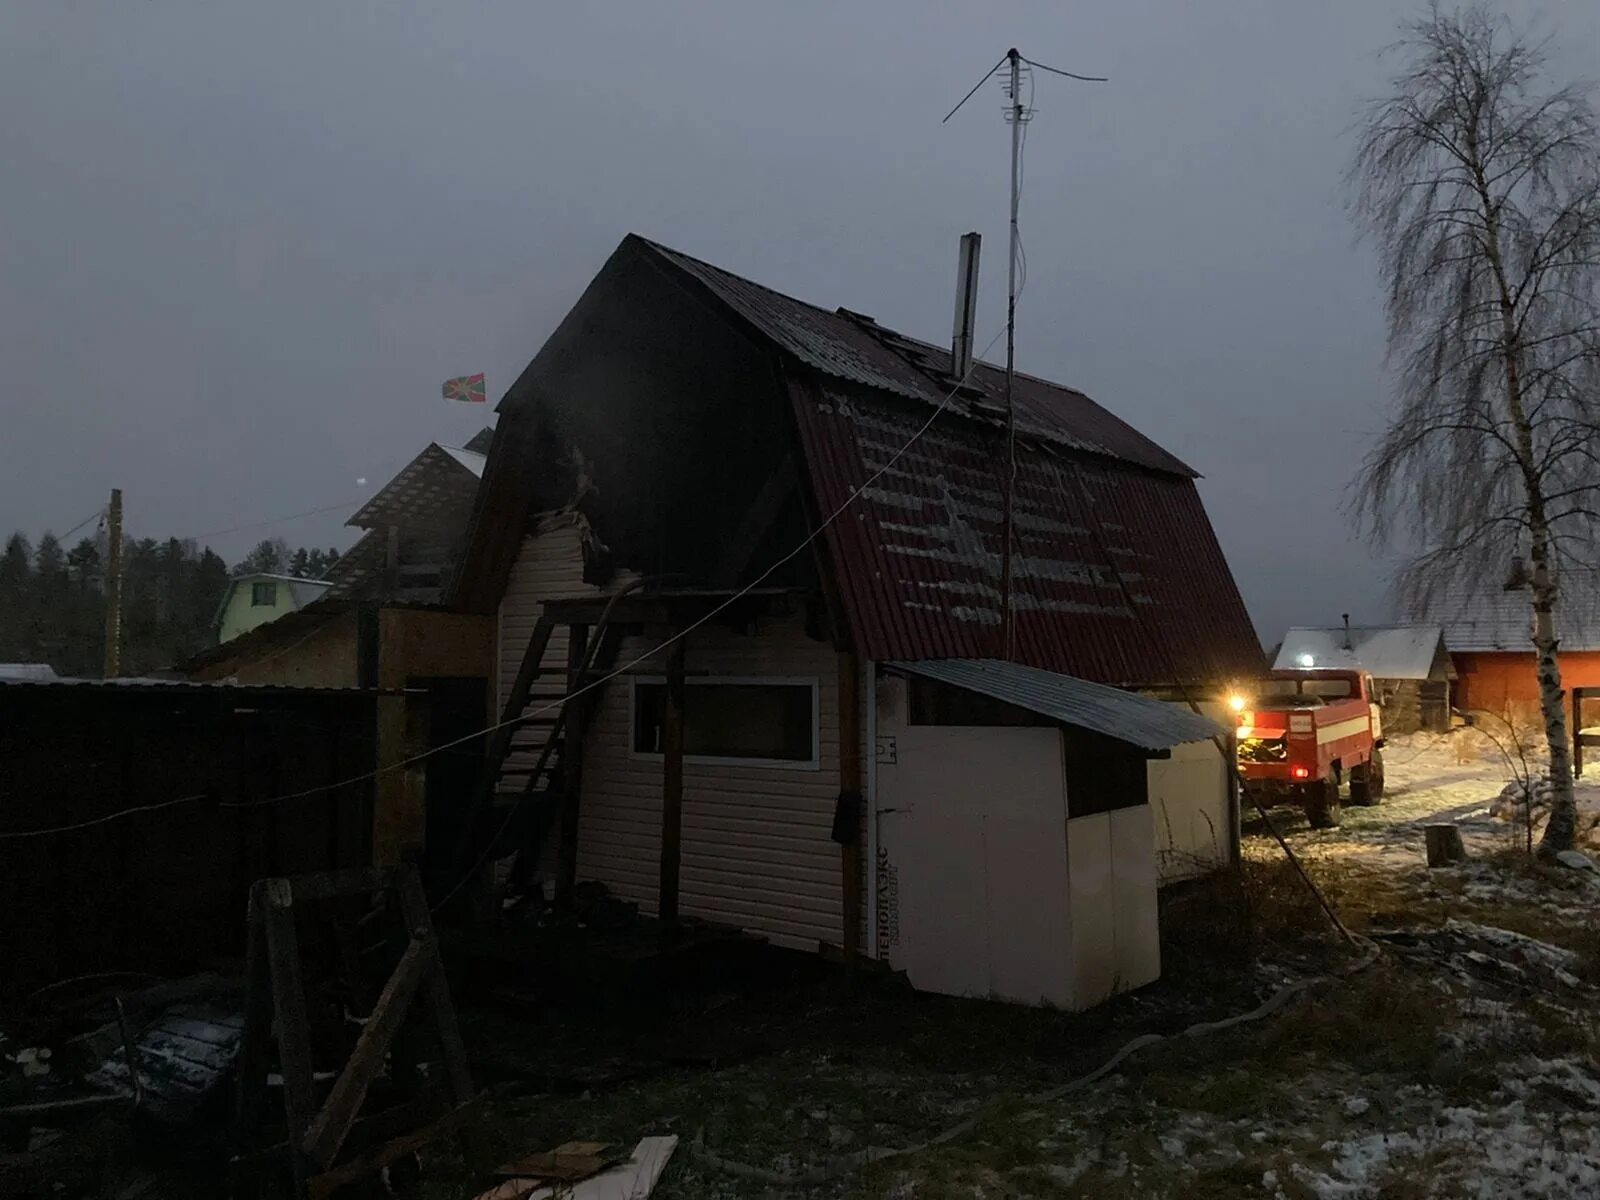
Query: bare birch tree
x=1476 y=180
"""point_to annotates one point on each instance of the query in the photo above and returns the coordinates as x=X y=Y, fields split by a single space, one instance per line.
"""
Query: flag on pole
x=468 y=388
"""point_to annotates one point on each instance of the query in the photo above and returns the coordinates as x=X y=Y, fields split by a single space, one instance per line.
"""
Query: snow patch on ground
x=1497 y=1152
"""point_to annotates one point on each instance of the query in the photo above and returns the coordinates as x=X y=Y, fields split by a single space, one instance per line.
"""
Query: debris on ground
x=632 y=1179
x=1511 y=804
x=567 y=1163
x=1575 y=859
x=1478 y=954
x=1462 y=1064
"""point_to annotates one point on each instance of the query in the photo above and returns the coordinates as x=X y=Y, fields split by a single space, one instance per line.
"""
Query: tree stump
x=1444 y=845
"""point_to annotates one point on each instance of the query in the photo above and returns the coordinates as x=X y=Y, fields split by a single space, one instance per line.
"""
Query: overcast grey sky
x=241 y=246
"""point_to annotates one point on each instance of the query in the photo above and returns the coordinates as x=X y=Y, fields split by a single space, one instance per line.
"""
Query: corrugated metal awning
x=1152 y=724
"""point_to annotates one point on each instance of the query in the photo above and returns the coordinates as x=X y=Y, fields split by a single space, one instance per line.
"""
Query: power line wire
x=17 y=834
x=854 y=495
x=526 y=715
x=310 y=512
x=1058 y=71
x=987 y=75
x=96 y=513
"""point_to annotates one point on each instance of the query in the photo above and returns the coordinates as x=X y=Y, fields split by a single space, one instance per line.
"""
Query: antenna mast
x=1017 y=114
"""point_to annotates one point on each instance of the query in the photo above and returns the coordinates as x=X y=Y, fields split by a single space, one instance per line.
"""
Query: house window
x=264 y=594
x=761 y=722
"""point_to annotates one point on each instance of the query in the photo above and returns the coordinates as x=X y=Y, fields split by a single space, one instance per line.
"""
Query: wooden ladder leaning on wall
x=550 y=766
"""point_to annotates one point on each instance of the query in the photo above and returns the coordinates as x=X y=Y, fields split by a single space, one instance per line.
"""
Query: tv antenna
x=1012 y=70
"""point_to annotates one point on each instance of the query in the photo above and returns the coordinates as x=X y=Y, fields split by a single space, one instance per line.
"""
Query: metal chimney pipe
x=1347 y=644
x=966 y=305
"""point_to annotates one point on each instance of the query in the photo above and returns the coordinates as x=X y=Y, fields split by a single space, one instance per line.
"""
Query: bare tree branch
x=1479 y=184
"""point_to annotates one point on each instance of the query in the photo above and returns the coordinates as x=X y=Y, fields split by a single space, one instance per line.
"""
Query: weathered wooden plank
x=435 y=987
x=307 y=889
x=329 y=1128
x=289 y=1002
x=319 y=1187
x=571 y=767
x=255 y=1049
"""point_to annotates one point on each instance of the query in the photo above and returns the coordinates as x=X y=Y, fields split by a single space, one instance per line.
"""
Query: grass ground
x=1461 y=1063
x=1429 y=1073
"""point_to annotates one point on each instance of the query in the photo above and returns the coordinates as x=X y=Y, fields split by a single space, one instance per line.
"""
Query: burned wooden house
x=744 y=556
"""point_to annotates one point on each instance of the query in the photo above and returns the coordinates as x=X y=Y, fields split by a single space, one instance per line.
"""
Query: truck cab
x=1302 y=733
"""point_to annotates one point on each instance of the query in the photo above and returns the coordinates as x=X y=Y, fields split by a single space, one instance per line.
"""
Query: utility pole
x=113 y=664
x=1015 y=116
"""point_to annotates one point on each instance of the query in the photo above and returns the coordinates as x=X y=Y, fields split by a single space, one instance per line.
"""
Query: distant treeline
x=52 y=599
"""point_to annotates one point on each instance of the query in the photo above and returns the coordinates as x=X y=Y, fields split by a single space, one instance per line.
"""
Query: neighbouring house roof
x=1151 y=724
x=429 y=502
x=301 y=591
x=28 y=672
x=269 y=634
x=436 y=487
x=1494 y=618
x=1385 y=651
x=1117 y=576
x=425 y=560
x=289 y=630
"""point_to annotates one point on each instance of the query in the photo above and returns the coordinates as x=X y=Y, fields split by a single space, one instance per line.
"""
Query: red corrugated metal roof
x=856 y=349
x=1102 y=511
x=919 y=553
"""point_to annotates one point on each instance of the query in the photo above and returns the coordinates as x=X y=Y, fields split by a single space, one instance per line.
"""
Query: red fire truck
x=1302 y=733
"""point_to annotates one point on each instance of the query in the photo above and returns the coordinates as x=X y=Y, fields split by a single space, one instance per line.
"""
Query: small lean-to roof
x=1151 y=724
x=1384 y=651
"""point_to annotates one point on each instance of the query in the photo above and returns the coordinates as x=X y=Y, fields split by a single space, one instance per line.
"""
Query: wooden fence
x=165 y=890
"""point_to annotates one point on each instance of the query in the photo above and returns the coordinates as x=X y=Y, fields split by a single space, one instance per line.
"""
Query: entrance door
x=973 y=839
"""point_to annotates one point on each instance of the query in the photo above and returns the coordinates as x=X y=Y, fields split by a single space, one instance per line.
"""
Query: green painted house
x=253 y=600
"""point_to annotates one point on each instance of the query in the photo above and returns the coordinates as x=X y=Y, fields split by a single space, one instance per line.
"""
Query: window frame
x=814 y=763
x=264 y=583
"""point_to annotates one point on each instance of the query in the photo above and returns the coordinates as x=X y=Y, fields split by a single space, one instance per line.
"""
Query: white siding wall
x=756 y=849
x=1189 y=801
x=757 y=852
x=549 y=567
